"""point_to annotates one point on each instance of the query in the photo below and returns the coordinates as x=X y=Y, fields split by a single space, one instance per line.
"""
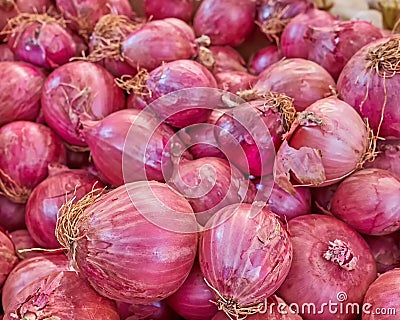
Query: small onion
x=20 y=91
x=192 y=300
x=5 y=53
x=26 y=149
x=264 y=58
x=330 y=260
x=123 y=242
x=226 y=22
x=256 y=258
x=225 y=58
x=369 y=201
x=235 y=81
x=23 y=240
x=8 y=259
x=12 y=215
x=76 y=91
x=152 y=311
x=388 y=157
x=181 y=9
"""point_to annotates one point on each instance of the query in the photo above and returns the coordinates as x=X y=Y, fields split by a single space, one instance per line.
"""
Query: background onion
x=264 y=58
x=12 y=215
x=181 y=9
x=234 y=81
x=8 y=259
x=226 y=58
x=152 y=311
x=387 y=158
x=23 y=240
x=322 y=198
x=5 y=53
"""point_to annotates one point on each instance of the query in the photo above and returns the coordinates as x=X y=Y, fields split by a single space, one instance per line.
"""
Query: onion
x=366 y=83
x=181 y=9
x=131 y=145
x=264 y=58
x=274 y=15
x=333 y=46
x=256 y=258
x=221 y=59
x=5 y=53
x=26 y=149
x=226 y=22
x=303 y=80
x=23 y=240
x=322 y=198
x=48 y=197
x=294 y=42
x=62 y=295
x=192 y=300
x=209 y=184
x=331 y=263
x=12 y=215
x=167 y=82
x=123 y=241
x=20 y=91
x=234 y=81
x=76 y=91
x=27 y=272
x=328 y=141
x=40 y=39
x=388 y=157
x=386 y=251
x=7 y=257
x=383 y=294
x=78 y=160
x=369 y=201
x=152 y=311
x=121 y=7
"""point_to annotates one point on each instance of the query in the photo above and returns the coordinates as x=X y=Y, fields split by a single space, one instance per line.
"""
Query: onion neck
x=340 y=253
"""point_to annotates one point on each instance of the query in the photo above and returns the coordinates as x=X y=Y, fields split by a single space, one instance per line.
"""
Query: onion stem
x=339 y=252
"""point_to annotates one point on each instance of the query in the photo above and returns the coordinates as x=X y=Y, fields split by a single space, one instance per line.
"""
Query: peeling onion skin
x=253 y=244
x=62 y=295
x=314 y=279
x=8 y=259
x=369 y=201
x=126 y=257
x=12 y=215
x=384 y=293
x=180 y=9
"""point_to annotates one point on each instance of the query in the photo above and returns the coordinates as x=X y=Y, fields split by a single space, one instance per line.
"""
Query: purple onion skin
x=226 y=22
x=286 y=8
x=180 y=9
x=20 y=91
x=153 y=311
x=388 y=157
x=368 y=200
x=227 y=59
x=322 y=198
x=46 y=45
x=121 y=7
x=92 y=94
x=12 y=215
x=235 y=81
x=352 y=86
x=5 y=53
x=293 y=39
x=264 y=58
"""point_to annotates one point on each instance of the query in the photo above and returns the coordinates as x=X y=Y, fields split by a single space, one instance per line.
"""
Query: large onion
x=26 y=149
x=256 y=257
x=181 y=9
x=7 y=257
x=331 y=263
x=135 y=244
x=12 y=215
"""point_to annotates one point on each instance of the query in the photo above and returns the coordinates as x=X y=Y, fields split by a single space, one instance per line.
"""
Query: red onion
x=264 y=58
x=121 y=7
x=192 y=300
x=382 y=297
x=209 y=184
x=386 y=251
x=152 y=311
x=256 y=258
x=131 y=145
x=327 y=142
x=388 y=157
x=234 y=81
x=7 y=257
x=78 y=160
x=366 y=83
x=331 y=263
x=226 y=22
x=274 y=15
x=26 y=149
x=23 y=240
x=76 y=91
x=322 y=198
x=141 y=49
x=293 y=42
x=123 y=241
x=48 y=197
x=167 y=82
x=62 y=295
x=12 y=215
x=303 y=80
x=333 y=46
x=27 y=272
x=40 y=39
x=181 y=9
x=369 y=201
x=20 y=91
x=222 y=58
x=5 y=53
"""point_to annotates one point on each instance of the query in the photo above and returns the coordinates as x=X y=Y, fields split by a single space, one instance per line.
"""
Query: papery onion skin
x=227 y=59
x=235 y=81
x=48 y=197
x=28 y=271
x=5 y=53
x=12 y=215
x=384 y=294
x=62 y=295
x=8 y=259
x=226 y=22
x=264 y=58
x=26 y=149
x=137 y=266
x=257 y=253
x=313 y=279
x=303 y=80
x=20 y=91
x=369 y=201
x=192 y=300
x=23 y=240
x=364 y=89
x=76 y=91
x=388 y=157
x=180 y=9
x=152 y=311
